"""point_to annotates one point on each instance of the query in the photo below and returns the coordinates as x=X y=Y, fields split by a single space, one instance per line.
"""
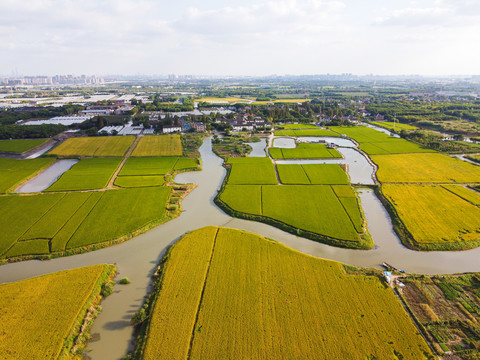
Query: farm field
x=434 y=216
x=374 y=142
x=467 y=194
x=313 y=208
x=285 y=101
x=87 y=174
x=94 y=146
x=15 y=171
x=398 y=126
x=475 y=157
x=315 y=174
x=140 y=181
x=251 y=171
x=243 y=296
x=159 y=145
x=40 y=317
x=424 y=168
x=306 y=132
x=304 y=151
x=226 y=100
x=20 y=146
x=156 y=165
x=447 y=307
x=54 y=222
x=299 y=126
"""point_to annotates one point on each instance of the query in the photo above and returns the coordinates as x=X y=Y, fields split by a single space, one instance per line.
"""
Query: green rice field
x=53 y=222
x=314 y=208
x=375 y=142
x=306 y=132
x=390 y=125
x=315 y=174
x=13 y=171
x=87 y=174
x=20 y=146
x=251 y=171
x=305 y=151
x=140 y=181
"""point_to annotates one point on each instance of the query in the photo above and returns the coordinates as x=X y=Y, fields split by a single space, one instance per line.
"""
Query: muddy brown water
x=138 y=257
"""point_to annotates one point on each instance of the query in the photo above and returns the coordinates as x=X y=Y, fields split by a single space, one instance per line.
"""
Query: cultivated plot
x=315 y=174
x=435 y=217
x=54 y=222
x=13 y=172
x=87 y=174
x=306 y=132
x=40 y=318
x=94 y=146
x=20 y=146
x=159 y=145
x=425 y=168
x=305 y=151
x=251 y=171
x=243 y=296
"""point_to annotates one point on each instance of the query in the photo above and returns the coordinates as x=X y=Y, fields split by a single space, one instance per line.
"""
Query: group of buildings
x=52 y=80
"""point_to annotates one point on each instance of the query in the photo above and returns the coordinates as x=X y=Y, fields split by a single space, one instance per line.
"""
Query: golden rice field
x=226 y=100
x=94 y=146
x=159 y=145
x=424 y=168
x=39 y=317
x=230 y=294
x=434 y=215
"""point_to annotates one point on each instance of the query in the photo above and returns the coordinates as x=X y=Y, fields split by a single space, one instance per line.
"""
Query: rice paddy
x=251 y=171
x=425 y=168
x=397 y=126
x=436 y=216
x=304 y=151
x=40 y=318
x=94 y=146
x=313 y=208
x=55 y=222
x=20 y=146
x=156 y=165
x=306 y=132
x=159 y=145
x=315 y=174
x=13 y=172
x=232 y=294
x=87 y=174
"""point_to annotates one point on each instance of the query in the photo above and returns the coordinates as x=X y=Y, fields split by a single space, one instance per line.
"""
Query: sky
x=232 y=37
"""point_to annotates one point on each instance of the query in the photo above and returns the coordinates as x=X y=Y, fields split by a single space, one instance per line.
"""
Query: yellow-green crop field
x=156 y=165
x=40 y=317
x=19 y=146
x=94 y=146
x=13 y=172
x=390 y=125
x=230 y=294
x=54 y=222
x=300 y=126
x=159 y=145
x=425 y=168
x=315 y=174
x=434 y=215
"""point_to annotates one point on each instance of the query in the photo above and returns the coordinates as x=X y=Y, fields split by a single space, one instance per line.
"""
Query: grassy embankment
x=328 y=213
x=50 y=316
x=244 y=296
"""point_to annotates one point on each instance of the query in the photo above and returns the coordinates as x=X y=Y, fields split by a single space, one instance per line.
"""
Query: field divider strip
x=66 y=222
x=129 y=152
x=344 y=209
x=309 y=180
x=189 y=353
x=93 y=207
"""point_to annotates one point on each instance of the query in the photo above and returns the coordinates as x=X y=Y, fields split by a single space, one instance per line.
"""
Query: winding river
x=138 y=257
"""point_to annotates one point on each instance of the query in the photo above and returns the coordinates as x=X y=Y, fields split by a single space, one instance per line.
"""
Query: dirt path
x=119 y=168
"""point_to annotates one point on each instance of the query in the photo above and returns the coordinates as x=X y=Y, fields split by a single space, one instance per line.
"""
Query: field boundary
x=127 y=154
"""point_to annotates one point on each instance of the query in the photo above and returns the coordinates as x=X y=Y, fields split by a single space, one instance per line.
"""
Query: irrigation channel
x=138 y=257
